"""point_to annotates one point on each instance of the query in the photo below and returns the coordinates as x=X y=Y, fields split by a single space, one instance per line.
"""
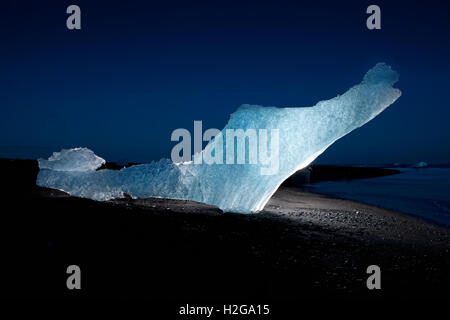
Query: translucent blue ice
x=77 y=159
x=304 y=133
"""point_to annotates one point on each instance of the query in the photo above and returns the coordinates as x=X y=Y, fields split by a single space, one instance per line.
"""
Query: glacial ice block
x=77 y=159
x=304 y=133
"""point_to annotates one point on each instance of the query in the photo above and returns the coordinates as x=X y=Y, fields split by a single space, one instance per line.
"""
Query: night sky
x=137 y=70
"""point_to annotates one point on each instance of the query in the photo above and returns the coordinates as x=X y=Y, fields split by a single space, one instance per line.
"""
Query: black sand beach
x=302 y=246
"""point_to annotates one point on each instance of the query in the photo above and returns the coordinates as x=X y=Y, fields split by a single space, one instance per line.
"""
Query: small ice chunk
x=77 y=159
x=420 y=164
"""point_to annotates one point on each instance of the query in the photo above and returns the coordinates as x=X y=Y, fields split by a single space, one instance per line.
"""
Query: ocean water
x=424 y=193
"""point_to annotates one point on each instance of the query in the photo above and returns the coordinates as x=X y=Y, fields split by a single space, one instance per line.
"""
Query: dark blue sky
x=138 y=70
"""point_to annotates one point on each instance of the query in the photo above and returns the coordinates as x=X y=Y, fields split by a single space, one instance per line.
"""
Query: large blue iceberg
x=302 y=135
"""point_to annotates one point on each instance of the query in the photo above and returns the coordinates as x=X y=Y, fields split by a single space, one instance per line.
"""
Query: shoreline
x=420 y=219
x=302 y=207
x=354 y=217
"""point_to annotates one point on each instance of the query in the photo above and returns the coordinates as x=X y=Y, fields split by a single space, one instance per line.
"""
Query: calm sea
x=424 y=193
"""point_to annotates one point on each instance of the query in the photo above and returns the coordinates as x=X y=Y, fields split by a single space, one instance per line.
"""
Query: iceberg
x=420 y=164
x=304 y=133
